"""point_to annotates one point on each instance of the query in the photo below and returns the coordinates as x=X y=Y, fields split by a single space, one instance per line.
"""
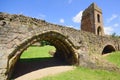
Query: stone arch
x=108 y=49
x=64 y=48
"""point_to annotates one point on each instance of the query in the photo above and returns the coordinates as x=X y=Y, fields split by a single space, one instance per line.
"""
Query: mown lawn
x=37 y=52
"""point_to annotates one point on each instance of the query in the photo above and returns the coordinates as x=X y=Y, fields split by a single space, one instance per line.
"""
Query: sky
x=65 y=12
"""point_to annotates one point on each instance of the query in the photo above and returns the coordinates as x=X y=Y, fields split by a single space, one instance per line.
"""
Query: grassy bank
x=114 y=58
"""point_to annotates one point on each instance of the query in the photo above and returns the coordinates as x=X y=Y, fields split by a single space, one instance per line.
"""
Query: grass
x=114 y=58
x=37 y=52
x=81 y=73
x=78 y=73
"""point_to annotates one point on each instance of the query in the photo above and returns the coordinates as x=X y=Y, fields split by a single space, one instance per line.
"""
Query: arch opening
x=108 y=49
x=64 y=50
x=99 y=31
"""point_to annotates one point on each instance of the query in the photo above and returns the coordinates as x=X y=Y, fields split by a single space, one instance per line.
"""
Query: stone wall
x=18 y=32
x=96 y=43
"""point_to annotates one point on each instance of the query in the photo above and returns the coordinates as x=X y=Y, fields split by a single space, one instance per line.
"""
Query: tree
x=114 y=34
x=43 y=43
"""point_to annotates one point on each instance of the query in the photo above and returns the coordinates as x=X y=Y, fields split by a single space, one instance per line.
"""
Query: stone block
x=3 y=63
x=3 y=71
x=3 y=77
x=1 y=54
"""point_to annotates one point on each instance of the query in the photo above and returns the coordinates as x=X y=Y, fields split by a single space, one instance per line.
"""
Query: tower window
x=99 y=31
x=98 y=18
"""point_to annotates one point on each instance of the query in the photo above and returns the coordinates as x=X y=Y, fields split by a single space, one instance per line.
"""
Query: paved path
x=28 y=69
x=44 y=72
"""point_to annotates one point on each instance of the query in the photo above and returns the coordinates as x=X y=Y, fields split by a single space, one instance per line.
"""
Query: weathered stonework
x=18 y=32
x=92 y=20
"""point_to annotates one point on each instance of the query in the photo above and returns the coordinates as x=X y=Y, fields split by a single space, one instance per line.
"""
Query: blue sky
x=65 y=12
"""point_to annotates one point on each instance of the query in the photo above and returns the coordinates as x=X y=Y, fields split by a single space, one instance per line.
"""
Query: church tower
x=92 y=20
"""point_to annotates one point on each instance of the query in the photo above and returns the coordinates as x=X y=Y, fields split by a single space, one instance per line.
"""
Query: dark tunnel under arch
x=108 y=49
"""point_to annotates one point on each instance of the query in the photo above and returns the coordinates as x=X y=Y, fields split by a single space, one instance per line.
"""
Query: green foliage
x=115 y=36
x=37 y=52
x=114 y=58
x=81 y=73
x=44 y=43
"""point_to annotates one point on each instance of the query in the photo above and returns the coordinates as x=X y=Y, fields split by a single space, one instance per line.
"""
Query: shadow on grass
x=24 y=66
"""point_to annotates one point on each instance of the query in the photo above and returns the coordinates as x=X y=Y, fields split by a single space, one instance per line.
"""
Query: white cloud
x=78 y=17
x=70 y=1
x=70 y=26
x=62 y=20
x=75 y=27
x=20 y=13
x=108 y=30
x=114 y=16
x=41 y=16
x=116 y=25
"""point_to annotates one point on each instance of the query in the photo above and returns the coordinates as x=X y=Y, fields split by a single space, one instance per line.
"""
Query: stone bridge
x=76 y=47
